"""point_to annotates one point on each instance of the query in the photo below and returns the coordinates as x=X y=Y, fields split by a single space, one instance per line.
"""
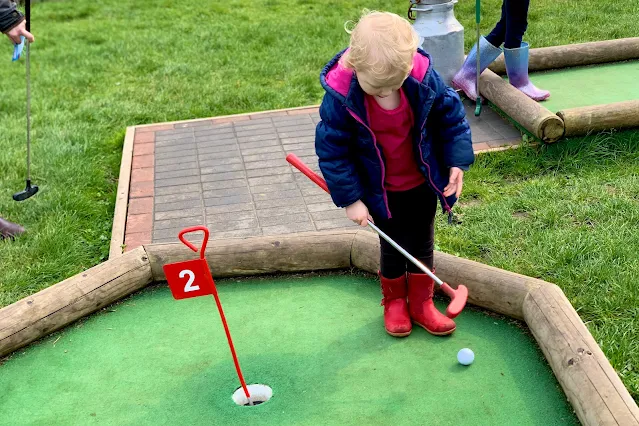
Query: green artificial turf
x=318 y=341
x=586 y=86
x=566 y=213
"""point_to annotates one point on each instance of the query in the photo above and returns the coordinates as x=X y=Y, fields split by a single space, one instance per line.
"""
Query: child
x=393 y=138
x=510 y=31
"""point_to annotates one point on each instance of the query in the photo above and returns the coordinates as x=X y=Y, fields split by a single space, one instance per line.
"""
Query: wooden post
x=262 y=255
x=489 y=287
x=585 y=374
x=529 y=114
x=584 y=120
x=574 y=55
x=365 y=251
x=61 y=304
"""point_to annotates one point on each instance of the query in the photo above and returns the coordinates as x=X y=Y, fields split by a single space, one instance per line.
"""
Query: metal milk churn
x=441 y=33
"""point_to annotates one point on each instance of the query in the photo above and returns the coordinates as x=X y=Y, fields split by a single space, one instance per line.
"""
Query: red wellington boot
x=396 y=318
x=422 y=309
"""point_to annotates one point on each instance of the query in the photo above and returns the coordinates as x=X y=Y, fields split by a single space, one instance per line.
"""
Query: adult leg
x=516 y=22
x=466 y=78
x=516 y=51
x=498 y=34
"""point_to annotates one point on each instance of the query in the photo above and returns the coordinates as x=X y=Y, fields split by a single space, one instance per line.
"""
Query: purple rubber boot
x=517 y=70
x=466 y=77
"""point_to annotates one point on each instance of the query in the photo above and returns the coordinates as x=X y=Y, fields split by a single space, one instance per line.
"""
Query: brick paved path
x=231 y=175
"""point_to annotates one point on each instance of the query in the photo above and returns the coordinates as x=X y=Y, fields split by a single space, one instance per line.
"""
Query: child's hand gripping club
x=458 y=296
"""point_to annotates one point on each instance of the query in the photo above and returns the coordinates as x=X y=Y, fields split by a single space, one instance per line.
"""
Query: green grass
x=566 y=214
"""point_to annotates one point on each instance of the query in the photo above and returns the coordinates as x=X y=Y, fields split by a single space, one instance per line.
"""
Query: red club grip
x=299 y=165
x=191 y=246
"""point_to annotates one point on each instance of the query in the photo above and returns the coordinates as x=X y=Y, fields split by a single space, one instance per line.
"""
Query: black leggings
x=512 y=26
x=412 y=226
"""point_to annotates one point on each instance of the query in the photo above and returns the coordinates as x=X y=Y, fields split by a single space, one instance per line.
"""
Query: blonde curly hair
x=382 y=45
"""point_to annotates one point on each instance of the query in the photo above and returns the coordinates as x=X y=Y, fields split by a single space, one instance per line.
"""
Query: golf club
x=458 y=295
x=478 y=20
x=30 y=190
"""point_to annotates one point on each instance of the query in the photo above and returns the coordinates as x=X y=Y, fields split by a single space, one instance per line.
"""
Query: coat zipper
x=379 y=155
x=421 y=157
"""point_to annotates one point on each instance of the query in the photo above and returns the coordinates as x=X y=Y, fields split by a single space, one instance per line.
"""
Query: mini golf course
x=317 y=341
x=589 y=86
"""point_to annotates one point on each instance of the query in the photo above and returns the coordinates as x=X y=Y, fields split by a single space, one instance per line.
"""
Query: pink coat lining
x=339 y=77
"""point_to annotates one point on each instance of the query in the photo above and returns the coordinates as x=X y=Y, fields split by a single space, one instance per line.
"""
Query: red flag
x=189 y=279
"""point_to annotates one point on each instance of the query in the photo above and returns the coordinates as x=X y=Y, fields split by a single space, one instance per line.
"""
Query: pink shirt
x=393 y=130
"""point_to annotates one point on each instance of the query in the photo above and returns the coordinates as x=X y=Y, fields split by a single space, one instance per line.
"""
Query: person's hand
x=20 y=30
x=455 y=182
x=358 y=213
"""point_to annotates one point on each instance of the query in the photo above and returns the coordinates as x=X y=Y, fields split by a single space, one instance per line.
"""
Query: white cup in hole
x=259 y=394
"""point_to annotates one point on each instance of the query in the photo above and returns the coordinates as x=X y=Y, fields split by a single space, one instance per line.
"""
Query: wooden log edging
x=61 y=304
x=234 y=257
x=579 y=54
x=591 y=384
x=586 y=376
x=532 y=116
x=122 y=199
x=584 y=120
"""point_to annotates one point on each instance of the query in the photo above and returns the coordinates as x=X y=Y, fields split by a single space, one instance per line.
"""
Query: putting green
x=318 y=341
x=587 y=86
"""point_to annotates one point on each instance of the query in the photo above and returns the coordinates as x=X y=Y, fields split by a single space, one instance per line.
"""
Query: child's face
x=373 y=87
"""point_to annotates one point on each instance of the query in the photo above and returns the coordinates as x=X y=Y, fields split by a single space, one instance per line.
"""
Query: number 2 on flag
x=189 y=287
x=189 y=279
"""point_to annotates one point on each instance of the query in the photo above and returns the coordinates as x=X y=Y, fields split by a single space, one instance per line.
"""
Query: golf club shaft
x=406 y=254
x=27 y=14
x=28 y=46
x=299 y=165
x=478 y=20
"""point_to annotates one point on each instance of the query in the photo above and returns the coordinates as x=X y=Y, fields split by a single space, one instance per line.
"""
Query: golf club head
x=478 y=107
x=458 y=296
x=28 y=192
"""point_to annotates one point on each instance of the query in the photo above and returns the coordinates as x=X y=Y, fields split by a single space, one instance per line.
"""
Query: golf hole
x=259 y=395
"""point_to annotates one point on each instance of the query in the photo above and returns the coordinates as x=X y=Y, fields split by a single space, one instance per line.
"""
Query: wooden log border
x=546 y=125
x=577 y=55
x=597 y=118
x=55 y=307
x=122 y=199
x=532 y=116
x=591 y=384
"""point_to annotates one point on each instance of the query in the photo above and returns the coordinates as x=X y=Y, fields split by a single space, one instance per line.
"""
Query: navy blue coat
x=350 y=159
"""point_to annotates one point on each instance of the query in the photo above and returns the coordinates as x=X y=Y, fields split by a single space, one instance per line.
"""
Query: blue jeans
x=511 y=27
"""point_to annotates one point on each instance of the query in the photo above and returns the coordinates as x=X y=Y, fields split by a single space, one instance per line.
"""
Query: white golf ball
x=465 y=356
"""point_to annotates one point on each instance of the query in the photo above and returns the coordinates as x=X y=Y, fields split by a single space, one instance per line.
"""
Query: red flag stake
x=209 y=277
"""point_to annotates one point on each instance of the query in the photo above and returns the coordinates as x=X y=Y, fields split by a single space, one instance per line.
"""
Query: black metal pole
x=27 y=14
